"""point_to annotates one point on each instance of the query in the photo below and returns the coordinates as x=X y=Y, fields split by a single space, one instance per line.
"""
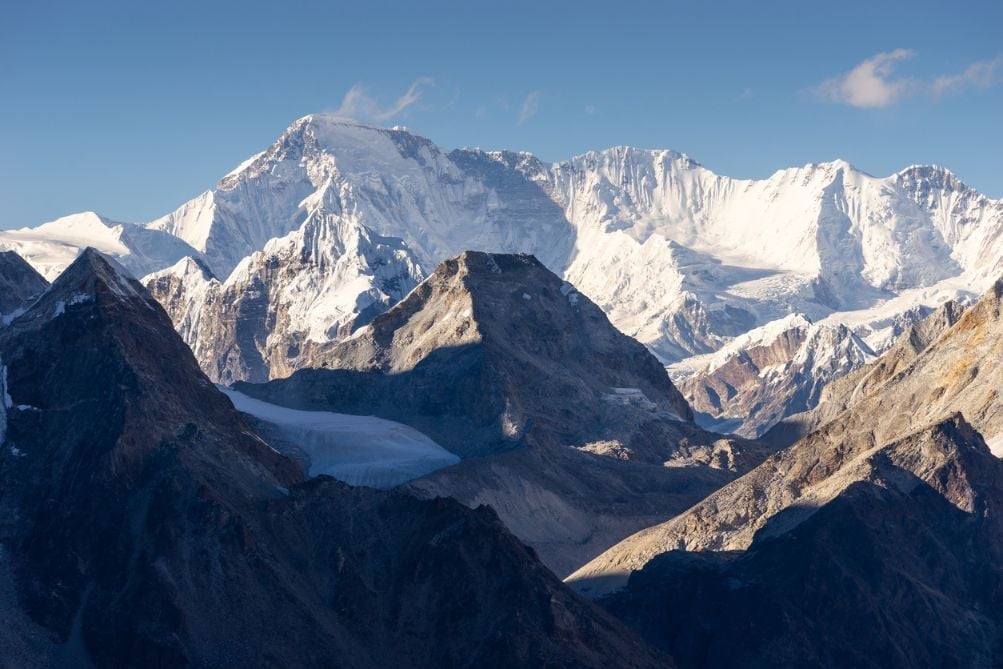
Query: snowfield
x=358 y=450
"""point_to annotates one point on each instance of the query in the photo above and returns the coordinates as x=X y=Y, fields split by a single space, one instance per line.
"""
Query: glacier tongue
x=358 y=450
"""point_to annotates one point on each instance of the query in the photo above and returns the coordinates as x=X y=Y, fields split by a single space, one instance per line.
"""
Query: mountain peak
x=93 y=278
x=507 y=325
x=95 y=272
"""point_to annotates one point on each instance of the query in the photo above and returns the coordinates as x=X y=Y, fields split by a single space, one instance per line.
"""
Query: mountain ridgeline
x=337 y=220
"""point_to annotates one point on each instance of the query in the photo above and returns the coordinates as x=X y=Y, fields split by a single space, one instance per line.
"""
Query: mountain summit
x=560 y=417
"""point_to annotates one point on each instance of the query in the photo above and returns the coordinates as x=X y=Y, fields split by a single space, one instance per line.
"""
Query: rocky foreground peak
x=145 y=523
x=556 y=413
x=508 y=351
x=906 y=542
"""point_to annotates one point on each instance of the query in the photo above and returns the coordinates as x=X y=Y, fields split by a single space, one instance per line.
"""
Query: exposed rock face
x=145 y=524
x=766 y=375
x=20 y=284
x=317 y=284
x=525 y=353
x=494 y=355
x=900 y=568
x=957 y=373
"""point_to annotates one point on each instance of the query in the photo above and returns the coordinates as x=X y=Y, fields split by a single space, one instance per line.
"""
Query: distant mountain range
x=333 y=223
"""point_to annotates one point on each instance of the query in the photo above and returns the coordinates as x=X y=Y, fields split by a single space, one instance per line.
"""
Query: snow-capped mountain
x=768 y=373
x=396 y=183
x=679 y=257
x=51 y=247
x=316 y=284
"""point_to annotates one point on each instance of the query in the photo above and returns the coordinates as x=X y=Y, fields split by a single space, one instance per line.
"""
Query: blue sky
x=131 y=108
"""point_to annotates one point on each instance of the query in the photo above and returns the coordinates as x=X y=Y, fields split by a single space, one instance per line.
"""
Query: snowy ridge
x=51 y=247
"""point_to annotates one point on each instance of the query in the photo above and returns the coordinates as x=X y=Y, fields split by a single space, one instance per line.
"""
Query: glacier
x=357 y=450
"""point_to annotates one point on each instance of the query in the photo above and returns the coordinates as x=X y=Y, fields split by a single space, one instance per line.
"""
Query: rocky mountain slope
x=144 y=523
x=769 y=373
x=846 y=390
x=958 y=372
x=561 y=419
x=679 y=257
x=899 y=568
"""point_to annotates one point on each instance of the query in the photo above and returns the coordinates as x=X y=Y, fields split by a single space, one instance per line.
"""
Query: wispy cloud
x=871 y=83
x=591 y=110
x=982 y=75
x=529 y=107
x=358 y=104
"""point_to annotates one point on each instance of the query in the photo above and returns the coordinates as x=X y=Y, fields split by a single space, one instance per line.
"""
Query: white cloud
x=529 y=107
x=359 y=105
x=591 y=110
x=870 y=84
x=980 y=75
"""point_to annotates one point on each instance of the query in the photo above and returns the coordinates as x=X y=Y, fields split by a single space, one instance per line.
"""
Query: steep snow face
x=826 y=220
x=396 y=183
x=51 y=247
x=319 y=283
x=816 y=240
x=359 y=450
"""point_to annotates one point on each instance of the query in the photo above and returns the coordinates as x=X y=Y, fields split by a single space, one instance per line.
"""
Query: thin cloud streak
x=359 y=105
x=980 y=75
x=529 y=107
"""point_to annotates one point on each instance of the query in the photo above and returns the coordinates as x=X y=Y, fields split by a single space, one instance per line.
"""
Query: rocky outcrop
x=562 y=418
x=145 y=523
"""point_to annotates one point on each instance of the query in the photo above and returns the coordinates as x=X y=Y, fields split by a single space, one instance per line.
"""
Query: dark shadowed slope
x=900 y=568
x=145 y=524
